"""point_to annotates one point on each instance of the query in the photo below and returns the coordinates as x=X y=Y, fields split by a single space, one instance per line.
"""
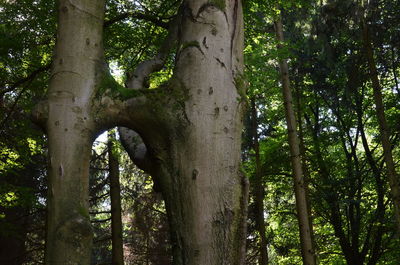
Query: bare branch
x=100 y=212
x=136 y=149
x=28 y=78
x=101 y=221
x=138 y=78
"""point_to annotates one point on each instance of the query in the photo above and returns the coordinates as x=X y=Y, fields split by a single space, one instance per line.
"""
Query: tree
x=392 y=176
x=154 y=44
x=115 y=196
x=190 y=125
x=258 y=189
x=302 y=205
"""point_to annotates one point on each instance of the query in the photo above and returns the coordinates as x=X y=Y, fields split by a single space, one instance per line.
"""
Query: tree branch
x=28 y=78
x=136 y=149
x=101 y=221
x=137 y=80
x=100 y=212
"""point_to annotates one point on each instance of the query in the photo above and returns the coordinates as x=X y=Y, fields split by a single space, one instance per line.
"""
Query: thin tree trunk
x=394 y=69
x=392 y=176
x=302 y=146
x=302 y=206
x=258 y=189
x=116 y=220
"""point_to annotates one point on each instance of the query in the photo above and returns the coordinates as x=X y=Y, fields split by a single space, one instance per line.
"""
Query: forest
x=199 y=132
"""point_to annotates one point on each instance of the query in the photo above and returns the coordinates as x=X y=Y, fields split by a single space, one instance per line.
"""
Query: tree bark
x=199 y=162
x=303 y=157
x=115 y=196
x=259 y=189
x=392 y=175
x=68 y=121
x=190 y=127
x=307 y=248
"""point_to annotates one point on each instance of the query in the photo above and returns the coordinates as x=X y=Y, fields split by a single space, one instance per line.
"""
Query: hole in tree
x=145 y=232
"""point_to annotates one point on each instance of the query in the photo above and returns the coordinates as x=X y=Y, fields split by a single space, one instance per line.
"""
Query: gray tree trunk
x=68 y=119
x=190 y=128
x=306 y=238
x=196 y=146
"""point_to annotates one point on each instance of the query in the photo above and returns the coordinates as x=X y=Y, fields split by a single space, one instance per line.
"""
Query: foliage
x=348 y=190
x=145 y=228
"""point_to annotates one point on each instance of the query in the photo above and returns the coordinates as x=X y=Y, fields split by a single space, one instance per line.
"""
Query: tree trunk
x=392 y=176
x=302 y=206
x=206 y=195
x=394 y=70
x=303 y=158
x=116 y=220
x=190 y=127
x=69 y=123
x=258 y=189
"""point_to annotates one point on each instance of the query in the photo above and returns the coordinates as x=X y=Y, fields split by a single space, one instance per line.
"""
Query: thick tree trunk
x=206 y=193
x=69 y=123
x=392 y=176
x=258 y=189
x=302 y=206
x=117 y=253
x=192 y=137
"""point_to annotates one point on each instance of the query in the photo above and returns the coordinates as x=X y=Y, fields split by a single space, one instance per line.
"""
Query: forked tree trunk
x=307 y=248
x=392 y=175
x=117 y=251
x=190 y=128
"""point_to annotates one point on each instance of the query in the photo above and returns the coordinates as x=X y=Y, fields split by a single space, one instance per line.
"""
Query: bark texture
x=307 y=248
